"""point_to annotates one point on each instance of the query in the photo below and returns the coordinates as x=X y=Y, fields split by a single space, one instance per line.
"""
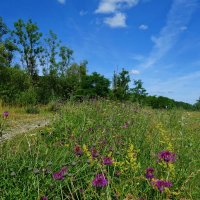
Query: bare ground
x=23 y=127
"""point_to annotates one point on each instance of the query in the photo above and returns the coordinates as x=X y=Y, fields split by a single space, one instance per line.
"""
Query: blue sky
x=158 y=41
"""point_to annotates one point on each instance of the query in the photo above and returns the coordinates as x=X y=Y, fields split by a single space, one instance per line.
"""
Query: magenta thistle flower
x=99 y=181
x=60 y=174
x=161 y=184
x=149 y=173
x=167 y=156
x=5 y=114
x=107 y=161
x=78 y=151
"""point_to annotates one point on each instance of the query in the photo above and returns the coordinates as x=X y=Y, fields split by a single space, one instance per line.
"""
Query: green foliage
x=27 y=36
x=138 y=93
x=62 y=79
x=94 y=85
x=131 y=137
x=28 y=97
x=13 y=81
x=120 y=85
x=65 y=54
x=7 y=47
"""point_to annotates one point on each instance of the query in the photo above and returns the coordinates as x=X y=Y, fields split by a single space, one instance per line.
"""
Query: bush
x=28 y=97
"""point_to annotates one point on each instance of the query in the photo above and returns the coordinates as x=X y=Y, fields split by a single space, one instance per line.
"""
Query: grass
x=130 y=136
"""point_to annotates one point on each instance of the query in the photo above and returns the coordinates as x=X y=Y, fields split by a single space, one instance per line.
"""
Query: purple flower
x=167 y=156
x=149 y=173
x=44 y=198
x=60 y=174
x=99 y=181
x=94 y=153
x=107 y=161
x=78 y=151
x=5 y=114
x=161 y=184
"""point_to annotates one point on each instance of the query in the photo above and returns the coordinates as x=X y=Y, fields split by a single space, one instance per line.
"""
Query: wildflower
x=60 y=174
x=87 y=152
x=161 y=184
x=149 y=173
x=44 y=198
x=94 y=153
x=99 y=181
x=167 y=157
x=5 y=114
x=107 y=161
x=78 y=151
x=132 y=157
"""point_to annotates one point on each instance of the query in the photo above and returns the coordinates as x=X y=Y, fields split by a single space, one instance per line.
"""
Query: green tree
x=7 y=47
x=138 y=93
x=95 y=85
x=197 y=104
x=121 y=85
x=50 y=52
x=27 y=37
x=65 y=54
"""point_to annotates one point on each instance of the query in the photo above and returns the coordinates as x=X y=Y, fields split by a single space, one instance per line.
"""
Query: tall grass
x=130 y=136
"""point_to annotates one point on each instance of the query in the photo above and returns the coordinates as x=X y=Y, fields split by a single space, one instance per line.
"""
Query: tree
x=27 y=36
x=7 y=47
x=50 y=52
x=66 y=57
x=138 y=93
x=95 y=85
x=197 y=104
x=120 y=85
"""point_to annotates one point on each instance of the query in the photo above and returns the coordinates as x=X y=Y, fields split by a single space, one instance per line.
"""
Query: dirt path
x=24 y=127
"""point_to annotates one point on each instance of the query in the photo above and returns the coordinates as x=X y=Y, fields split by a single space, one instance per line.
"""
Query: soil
x=24 y=127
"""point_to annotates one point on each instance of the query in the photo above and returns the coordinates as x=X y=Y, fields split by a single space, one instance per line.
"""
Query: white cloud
x=115 y=7
x=143 y=27
x=135 y=72
x=116 y=21
x=112 y=6
x=61 y=1
x=179 y=16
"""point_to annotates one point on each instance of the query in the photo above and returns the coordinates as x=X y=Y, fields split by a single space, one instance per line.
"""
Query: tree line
x=39 y=69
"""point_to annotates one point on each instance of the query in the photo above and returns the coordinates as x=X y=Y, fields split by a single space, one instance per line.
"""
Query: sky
x=157 y=41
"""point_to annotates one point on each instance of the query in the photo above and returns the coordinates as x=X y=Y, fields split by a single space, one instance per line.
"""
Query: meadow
x=104 y=150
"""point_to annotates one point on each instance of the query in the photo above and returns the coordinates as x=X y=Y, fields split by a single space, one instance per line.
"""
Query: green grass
x=28 y=161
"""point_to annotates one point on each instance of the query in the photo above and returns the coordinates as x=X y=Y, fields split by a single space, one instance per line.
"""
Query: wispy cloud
x=61 y=1
x=112 y=6
x=143 y=27
x=83 y=13
x=116 y=8
x=183 y=84
x=116 y=21
x=135 y=72
x=177 y=20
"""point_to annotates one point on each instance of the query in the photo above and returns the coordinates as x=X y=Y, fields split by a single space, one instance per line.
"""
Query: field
x=103 y=150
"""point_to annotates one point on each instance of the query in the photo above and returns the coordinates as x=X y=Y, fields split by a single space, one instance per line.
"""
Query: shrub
x=28 y=97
